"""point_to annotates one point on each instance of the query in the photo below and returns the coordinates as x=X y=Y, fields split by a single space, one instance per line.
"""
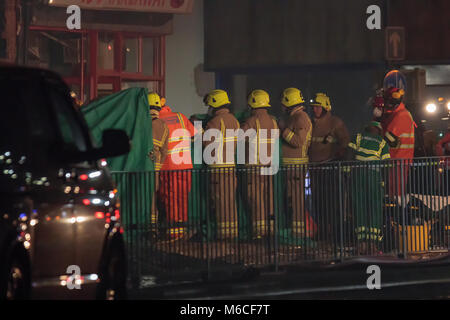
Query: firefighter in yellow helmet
x=259 y=186
x=296 y=138
x=330 y=136
x=330 y=139
x=222 y=162
x=160 y=134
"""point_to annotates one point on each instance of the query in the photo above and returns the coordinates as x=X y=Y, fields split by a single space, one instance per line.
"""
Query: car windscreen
x=25 y=120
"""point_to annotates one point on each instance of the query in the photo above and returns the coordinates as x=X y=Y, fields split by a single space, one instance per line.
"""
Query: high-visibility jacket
x=399 y=126
x=180 y=132
x=296 y=138
x=370 y=147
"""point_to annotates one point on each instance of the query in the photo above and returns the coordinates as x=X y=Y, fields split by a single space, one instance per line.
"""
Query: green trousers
x=367 y=202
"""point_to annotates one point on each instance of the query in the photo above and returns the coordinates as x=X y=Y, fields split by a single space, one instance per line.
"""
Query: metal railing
x=201 y=222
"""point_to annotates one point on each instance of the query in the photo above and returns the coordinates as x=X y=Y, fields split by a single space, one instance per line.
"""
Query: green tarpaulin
x=128 y=110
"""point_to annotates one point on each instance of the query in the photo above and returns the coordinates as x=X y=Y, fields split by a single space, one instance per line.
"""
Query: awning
x=163 y=6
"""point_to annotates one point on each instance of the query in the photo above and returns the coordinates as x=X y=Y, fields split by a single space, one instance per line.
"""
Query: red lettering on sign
x=176 y=3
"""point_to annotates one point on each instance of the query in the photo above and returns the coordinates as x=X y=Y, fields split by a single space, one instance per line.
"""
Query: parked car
x=60 y=229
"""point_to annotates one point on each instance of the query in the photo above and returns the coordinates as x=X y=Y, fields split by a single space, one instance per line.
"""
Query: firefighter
x=160 y=134
x=296 y=139
x=175 y=180
x=259 y=186
x=330 y=138
x=367 y=187
x=223 y=178
x=398 y=129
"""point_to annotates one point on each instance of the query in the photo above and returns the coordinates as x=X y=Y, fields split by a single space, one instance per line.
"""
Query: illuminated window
x=105 y=54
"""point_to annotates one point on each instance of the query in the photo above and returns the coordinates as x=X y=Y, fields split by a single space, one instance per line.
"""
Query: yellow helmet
x=154 y=100
x=217 y=98
x=292 y=97
x=322 y=100
x=258 y=99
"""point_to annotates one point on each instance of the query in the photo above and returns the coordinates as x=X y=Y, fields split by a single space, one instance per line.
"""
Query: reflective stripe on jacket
x=370 y=147
x=180 y=132
x=401 y=124
x=223 y=120
x=260 y=119
x=296 y=138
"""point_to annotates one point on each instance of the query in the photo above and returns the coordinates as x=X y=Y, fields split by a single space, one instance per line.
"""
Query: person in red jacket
x=175 y=177
x=443 y=150
x=398 y=128
x=443 y=146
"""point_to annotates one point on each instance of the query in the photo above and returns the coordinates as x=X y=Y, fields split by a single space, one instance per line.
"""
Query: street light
x=431 y=107
x=448 y=106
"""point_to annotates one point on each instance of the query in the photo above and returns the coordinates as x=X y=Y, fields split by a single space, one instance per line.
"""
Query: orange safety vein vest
x=401 y=124
x=179 y=144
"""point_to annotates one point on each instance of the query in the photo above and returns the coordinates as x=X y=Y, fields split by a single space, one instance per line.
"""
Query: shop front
x=113 y=50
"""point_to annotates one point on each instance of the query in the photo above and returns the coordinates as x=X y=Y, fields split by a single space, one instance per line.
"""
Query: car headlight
x=431 y=107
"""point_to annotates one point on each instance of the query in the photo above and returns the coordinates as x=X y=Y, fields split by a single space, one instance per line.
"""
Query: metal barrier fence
x=222 y=219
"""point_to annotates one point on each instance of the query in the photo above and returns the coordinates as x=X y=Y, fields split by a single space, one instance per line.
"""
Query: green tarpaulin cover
x=128 y=110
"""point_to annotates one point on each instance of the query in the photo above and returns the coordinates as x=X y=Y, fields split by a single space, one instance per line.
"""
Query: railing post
x=341 y=214
x=403 y=204
x=206 y=178
x=275 y=226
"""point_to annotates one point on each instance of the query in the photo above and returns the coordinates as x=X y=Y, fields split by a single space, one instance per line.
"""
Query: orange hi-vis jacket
x=400 y=124
x=180 y=132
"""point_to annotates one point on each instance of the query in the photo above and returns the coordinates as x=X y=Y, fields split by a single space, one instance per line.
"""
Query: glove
x=151 y=155
x=328 y=139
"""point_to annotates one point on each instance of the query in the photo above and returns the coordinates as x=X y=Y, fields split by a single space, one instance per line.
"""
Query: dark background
x=319 y=46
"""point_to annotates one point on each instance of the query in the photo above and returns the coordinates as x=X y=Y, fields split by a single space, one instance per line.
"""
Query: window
x=120 y=60
x=435 y=74
x=70 y=128
x=148 y=55
x=131 y=55
x=55 y=50
x=139 y=55
x=105 y=54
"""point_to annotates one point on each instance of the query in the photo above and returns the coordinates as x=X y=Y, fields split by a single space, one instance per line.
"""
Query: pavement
x=399 y=279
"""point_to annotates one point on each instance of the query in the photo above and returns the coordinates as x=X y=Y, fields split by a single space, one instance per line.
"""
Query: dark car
x=60 y=230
